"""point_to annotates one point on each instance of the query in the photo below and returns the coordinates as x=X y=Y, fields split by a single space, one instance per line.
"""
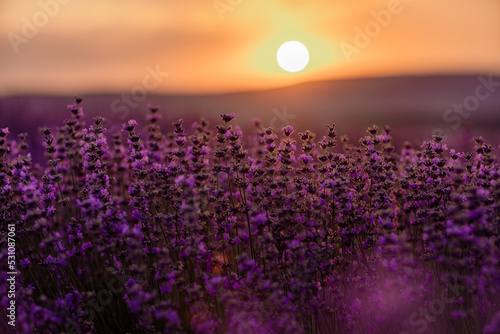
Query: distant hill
x=406 y=103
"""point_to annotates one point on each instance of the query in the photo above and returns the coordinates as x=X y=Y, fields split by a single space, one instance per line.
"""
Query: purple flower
x=25 y=262
x=86 y=246
x=228 y=117
x=4 y=132
x=51 y=211
x=130 y=125
x=287 y=130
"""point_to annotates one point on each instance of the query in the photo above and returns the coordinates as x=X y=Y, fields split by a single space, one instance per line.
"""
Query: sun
x=293 y=56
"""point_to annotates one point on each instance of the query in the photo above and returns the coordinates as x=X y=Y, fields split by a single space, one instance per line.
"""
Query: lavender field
x=204 y=228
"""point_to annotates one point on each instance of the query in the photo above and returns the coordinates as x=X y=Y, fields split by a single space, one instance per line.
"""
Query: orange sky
x=106 y=45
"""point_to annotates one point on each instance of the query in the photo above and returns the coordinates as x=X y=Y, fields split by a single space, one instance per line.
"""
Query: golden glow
x=264 y=58
x=105 y=46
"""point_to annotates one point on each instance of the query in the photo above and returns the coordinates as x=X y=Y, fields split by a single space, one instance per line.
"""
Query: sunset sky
x=210 y=46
